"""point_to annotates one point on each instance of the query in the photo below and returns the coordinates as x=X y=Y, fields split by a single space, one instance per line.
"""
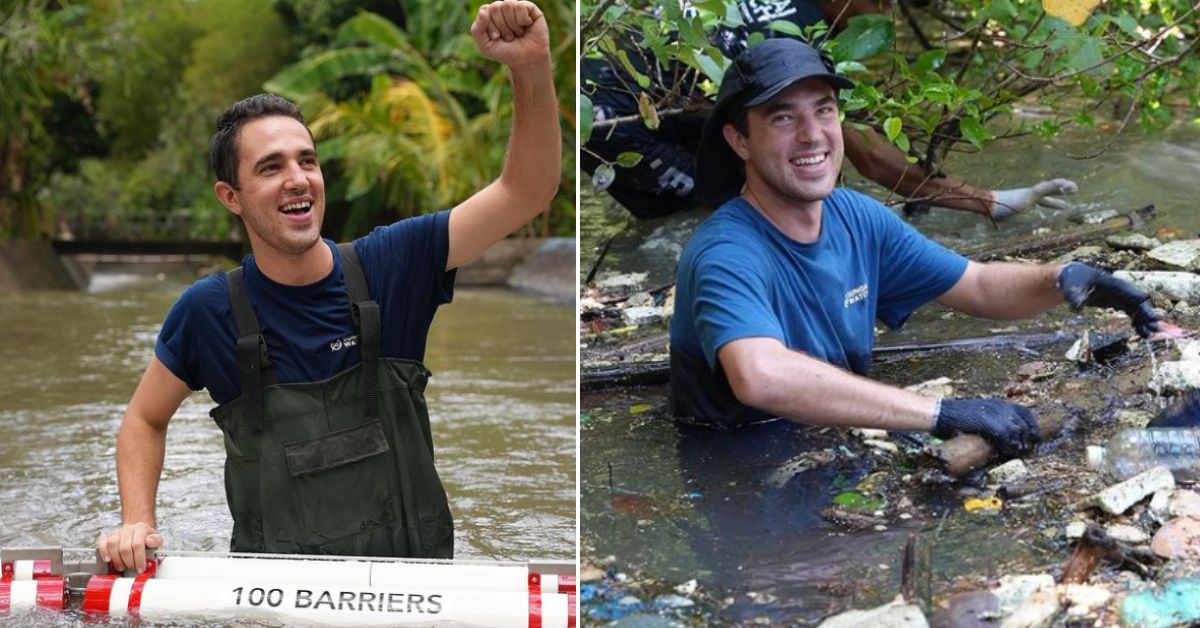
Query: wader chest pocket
x=336 y=448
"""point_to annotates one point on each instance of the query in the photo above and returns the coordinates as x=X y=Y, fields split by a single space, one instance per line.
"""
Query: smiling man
x=312 y=350
x=779 y=289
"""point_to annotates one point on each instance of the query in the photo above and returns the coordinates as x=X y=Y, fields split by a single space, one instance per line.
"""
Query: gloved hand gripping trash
x=1083 y=285
x=1012 y=429
x=1008 y=203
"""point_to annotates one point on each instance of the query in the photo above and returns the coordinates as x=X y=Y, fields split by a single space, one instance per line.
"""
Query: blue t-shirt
x=740 y=277
x=308 y=329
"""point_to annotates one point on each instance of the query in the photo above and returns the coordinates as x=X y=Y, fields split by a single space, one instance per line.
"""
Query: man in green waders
x=312 y=350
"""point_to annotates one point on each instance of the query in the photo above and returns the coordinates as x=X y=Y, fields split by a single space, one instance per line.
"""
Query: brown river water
x=502 y=405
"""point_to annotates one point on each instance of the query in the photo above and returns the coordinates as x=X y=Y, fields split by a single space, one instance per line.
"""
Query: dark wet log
x=633 y=374
x=653 y=373
x=965 y=453
x=1059 y=241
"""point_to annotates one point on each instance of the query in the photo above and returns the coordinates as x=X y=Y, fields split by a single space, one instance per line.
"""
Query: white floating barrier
x=335 y=591
x=20 y=595
x=328 y=604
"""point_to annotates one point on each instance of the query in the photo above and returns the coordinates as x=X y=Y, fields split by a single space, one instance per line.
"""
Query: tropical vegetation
x=106 y=108
x=935 y=76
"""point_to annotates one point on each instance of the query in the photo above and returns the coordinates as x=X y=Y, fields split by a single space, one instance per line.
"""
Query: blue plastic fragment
x=1177 y=603
x=615 y=609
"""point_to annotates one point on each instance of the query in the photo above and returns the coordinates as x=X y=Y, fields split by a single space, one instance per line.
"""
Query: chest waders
x=341 y=466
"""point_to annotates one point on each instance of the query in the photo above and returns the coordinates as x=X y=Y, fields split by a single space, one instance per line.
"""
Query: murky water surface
x=672 y=504
x=502 y=405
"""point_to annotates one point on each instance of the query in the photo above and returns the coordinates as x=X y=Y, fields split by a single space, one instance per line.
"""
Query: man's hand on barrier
x=1083 y=285
x=1007 y=203
x=126 y=546
x=1011 y=428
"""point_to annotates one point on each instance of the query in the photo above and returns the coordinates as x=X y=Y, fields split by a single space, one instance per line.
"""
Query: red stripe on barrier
x=5 y=597
x=135 y=593
x=52 y=593
x=6 y=572
x=571 y=610
x=566 y=584
x=535 y=600
x=99 y=590
x=41 y=569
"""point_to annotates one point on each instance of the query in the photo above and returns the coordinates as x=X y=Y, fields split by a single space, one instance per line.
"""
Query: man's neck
x=294 y=270
x=798 y=221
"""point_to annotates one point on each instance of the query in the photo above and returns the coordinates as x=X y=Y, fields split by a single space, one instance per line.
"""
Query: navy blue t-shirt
x=308 y=329
x=740 y=277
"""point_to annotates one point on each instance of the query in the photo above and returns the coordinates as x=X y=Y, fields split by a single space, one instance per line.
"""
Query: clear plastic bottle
x=1132 y=451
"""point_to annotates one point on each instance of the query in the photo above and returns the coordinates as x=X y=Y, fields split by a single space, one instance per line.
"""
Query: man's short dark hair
x=223 y=149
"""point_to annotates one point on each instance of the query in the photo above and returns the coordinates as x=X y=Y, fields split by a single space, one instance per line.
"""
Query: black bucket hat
x=754 y=77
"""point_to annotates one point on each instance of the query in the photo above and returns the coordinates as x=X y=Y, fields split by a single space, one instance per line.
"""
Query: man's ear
x=228 y=197
x=736 y=141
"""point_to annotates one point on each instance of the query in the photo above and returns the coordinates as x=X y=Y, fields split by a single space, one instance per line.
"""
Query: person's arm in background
x=141 y=446
x=880 y=161
x=514 y=33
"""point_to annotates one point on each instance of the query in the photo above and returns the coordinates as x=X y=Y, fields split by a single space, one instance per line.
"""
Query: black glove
x=1012 y=429
x=1083 y=285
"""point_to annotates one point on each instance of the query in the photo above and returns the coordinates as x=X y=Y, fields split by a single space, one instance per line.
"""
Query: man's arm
x=141 y=445
x=1005 y=291
x=766 y=375
x=878 y=160
x=514 y=33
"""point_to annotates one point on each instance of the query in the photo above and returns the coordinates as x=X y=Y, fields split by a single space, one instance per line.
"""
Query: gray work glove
x=1007 y=203
x=1010 y=428
x=1083 y=285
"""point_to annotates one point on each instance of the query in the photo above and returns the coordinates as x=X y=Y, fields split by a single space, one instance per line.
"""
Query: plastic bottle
x=1132 y=451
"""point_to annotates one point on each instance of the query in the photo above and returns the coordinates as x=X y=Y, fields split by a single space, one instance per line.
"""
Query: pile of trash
x=1127 y=548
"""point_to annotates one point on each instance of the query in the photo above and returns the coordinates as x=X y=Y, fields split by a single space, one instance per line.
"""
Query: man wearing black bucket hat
x=778 y=290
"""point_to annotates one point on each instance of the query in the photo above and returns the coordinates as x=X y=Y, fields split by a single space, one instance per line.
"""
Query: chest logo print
x=343 y=343
x=855 y=295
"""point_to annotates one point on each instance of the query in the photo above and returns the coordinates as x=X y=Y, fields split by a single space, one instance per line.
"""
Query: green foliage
x=432 y=128
x=42 y=78
x=953 y=75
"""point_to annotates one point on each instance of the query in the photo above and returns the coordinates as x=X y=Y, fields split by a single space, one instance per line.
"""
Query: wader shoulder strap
x=253 y=364
x=365 y=313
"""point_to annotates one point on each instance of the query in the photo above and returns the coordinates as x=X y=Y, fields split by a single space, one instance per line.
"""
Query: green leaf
x=712 y=68
x=374 y=29
x=851 y=67
x=973 y=131
x=785 y=27
x=929 y=61
x=308 y=75
x=585 y=118
x=1087 y=54
x=853 y=500
x=892 y=127
x=603 y=177
x=629 y=159
x=865 y=36
x=1000 y=9
x=902 y=142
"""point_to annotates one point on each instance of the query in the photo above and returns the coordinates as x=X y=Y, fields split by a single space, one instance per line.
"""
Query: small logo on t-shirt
x=343 y=343
x=856 y=295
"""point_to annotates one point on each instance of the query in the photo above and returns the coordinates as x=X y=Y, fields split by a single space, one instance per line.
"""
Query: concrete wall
x=33 y=265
